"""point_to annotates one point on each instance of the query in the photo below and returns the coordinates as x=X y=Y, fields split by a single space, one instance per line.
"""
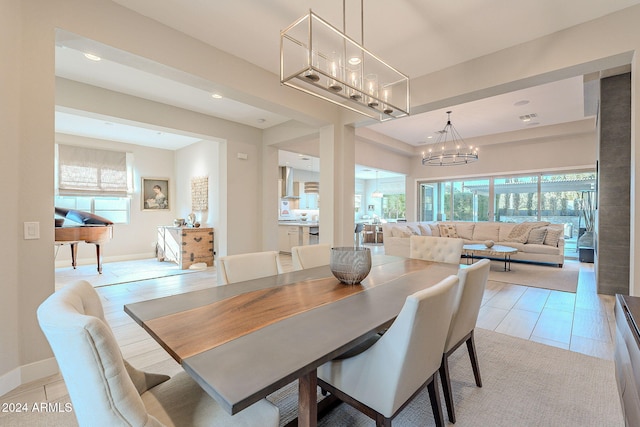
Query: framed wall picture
x=155 y=194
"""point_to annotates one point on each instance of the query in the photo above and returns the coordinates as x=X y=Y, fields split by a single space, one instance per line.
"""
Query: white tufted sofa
x=440 y=249
x=396 y=238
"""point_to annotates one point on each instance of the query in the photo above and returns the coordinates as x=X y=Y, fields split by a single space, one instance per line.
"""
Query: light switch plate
x=31 y=230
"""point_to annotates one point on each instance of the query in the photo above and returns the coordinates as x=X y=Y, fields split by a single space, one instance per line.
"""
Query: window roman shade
x=86 y=171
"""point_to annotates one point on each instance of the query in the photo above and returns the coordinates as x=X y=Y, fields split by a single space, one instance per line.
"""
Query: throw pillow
x=414 y=229
x=465 y=230
x=520 y=233
x=553 y=237
x=435 y=230
x=400 y=231
x=448 y=230
x=144 y=381
x=424 y=230
x=536 y=236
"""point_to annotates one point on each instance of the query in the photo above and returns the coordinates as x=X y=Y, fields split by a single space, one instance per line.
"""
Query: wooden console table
x=185 y=245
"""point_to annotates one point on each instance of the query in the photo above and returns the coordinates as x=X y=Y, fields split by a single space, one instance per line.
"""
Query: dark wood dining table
x=245 y=340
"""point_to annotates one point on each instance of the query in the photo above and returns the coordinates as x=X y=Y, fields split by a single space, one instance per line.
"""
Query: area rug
x=119 y=272
x=538 y=275
x=524 y=384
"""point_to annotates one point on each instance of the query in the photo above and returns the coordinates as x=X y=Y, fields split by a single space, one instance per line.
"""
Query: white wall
x=10 y=216
x=198 y=160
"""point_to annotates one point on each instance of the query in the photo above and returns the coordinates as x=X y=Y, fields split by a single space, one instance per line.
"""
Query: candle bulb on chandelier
x=372 y=87
x=334 y=71
x=385 y=107
x=355 y=85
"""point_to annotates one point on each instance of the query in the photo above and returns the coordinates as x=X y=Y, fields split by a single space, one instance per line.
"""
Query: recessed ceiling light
x=216 y=96
x=430 y=137
x=262 y=120
x=355 y=60
x=521 y=103
x=92 y=57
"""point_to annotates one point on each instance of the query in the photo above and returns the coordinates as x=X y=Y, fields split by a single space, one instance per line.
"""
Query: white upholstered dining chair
x=310 y=256
x=473 y=280
x=381 y=380
x=106 y=391
x=440 y=249
x=241 y=267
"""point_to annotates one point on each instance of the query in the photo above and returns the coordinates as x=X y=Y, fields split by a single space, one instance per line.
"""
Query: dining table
x=244 y=341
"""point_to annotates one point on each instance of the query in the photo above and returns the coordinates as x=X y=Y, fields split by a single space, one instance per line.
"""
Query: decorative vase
x=586 y=240
x=489 y=243
x=350 y=265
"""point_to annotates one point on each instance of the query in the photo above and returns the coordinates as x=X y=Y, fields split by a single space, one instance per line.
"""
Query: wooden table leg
x=307 y=400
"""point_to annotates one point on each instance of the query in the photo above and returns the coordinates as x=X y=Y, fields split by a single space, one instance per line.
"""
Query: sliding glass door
x=516 y=198
x=454 y=200
x=553 y=197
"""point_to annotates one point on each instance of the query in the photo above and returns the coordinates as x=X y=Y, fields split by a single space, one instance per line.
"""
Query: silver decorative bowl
x=350 y=265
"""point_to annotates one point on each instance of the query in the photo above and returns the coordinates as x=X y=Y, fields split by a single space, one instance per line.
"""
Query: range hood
x=286 y=174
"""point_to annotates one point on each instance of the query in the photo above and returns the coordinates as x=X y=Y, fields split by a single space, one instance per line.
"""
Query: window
x=115 y=209
x=393 y=206
x=561 y=199
x=95 y=181
x=455 y=200
x=470 y=200
x=518 y=198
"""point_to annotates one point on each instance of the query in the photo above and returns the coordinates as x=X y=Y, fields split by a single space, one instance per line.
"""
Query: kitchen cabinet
x=288 y=237
x=185 y=246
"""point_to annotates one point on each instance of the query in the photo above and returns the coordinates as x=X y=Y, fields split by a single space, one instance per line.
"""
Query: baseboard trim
x=27 y=373
x=92 y=261
x=10 y=381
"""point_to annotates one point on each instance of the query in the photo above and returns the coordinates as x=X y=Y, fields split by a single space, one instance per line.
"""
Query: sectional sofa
x=540 y=242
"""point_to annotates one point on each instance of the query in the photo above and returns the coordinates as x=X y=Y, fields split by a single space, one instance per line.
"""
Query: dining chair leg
x=382 y=421
x=446 y=387
x=434 y=397
x=471 y=346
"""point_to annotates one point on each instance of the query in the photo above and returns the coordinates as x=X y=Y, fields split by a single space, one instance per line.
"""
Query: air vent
x=528 y=117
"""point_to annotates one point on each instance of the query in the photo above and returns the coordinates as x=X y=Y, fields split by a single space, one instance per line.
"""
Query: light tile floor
x=583 y=322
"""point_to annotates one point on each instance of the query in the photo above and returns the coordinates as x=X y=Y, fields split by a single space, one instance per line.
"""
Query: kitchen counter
x=299 y=223
x=296 y=233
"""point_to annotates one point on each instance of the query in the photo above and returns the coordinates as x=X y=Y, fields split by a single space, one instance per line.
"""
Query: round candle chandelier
x=449 y=149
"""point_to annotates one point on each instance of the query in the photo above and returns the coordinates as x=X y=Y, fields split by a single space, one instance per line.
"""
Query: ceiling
x=432 y=35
